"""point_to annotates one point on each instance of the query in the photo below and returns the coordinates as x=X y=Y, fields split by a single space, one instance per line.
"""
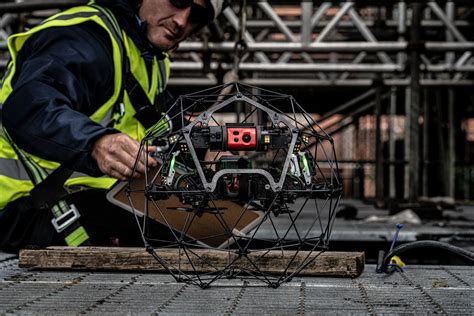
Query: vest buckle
x=66 y=219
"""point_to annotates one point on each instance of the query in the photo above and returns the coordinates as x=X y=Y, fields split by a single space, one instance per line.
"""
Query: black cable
x=424 y=244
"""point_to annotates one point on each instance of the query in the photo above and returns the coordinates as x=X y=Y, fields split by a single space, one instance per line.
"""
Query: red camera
x=241 y=138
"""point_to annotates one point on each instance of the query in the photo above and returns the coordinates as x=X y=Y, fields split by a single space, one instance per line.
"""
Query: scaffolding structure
x=412 y=62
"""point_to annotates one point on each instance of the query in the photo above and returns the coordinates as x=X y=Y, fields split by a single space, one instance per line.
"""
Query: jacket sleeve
x=63 y=75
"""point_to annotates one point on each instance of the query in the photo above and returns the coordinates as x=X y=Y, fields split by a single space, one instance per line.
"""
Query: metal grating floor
x=419 y=290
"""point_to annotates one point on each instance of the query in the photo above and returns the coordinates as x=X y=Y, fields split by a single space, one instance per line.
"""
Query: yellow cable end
x=396 y=260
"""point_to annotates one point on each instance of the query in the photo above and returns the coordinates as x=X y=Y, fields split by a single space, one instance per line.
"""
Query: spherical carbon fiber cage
x=264 y=212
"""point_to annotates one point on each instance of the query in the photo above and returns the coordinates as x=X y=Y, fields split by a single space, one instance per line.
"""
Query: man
x=80 y=90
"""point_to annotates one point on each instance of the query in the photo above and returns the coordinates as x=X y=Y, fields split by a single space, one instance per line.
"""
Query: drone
x=225 y=178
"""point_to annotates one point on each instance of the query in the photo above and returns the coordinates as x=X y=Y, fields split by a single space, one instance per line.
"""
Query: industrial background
x=392 y=84
x=391 y=81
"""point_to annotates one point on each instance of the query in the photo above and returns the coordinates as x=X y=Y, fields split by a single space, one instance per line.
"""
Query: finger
x=124 y=152
x=117 y=175
x=144 y=156
x=151 y=160
x=126 y=165
x=143 y=163
x=115 y=155
x=123 y=171
x=139 y=167
x=151 y=149
x=146 y=159
x=152 y=163
x=130 y=149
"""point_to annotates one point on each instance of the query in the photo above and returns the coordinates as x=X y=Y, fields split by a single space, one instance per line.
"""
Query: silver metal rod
x=192 y=81
x=298 y=82
x=267 y=9
x=451 y=152
x=332 y=24
x=234 y=21
x=379 y=157
x=452 y=28
x=407 y=156
x=316 y=19
x=324 y=67
x=276 y=47
x=463 y=59
x=446 y=21
x=356 y=60
x=402 y=27
x=449 y=46
x=306 y=29
x=449 y=36
x=391 y=142
x=344 y=68
x=279 y=47
x=413 y=113
x=367 y=34
x=271 y=67
x=306 y=32
x=256 y=24
x=426 y=165
x=444 y=68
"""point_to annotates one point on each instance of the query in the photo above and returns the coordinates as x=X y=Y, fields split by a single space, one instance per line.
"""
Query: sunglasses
x=199 y=14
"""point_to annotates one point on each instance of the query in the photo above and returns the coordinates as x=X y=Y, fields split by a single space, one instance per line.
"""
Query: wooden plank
x=341 y=264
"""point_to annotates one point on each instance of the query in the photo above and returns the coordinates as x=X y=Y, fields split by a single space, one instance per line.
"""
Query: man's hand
x=115 y=155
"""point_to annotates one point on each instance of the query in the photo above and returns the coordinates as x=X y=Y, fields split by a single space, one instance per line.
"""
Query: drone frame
x=244 y=250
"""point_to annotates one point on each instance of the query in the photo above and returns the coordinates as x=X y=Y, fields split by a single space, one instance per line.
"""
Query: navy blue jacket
x=64 y=75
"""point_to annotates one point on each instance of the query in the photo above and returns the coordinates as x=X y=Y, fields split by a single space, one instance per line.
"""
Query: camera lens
x=246 y=138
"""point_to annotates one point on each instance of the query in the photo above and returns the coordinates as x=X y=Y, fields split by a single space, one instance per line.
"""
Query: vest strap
x=66 y=216
x=49 y=191
x=146 y=113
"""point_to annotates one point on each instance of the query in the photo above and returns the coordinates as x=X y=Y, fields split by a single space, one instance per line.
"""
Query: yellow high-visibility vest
x=14 y=181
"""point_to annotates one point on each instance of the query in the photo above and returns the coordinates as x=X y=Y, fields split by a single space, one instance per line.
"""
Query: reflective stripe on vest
x=14 y=181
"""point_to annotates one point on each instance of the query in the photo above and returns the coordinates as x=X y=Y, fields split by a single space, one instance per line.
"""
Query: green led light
x=305 y=163
x=173 y=161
